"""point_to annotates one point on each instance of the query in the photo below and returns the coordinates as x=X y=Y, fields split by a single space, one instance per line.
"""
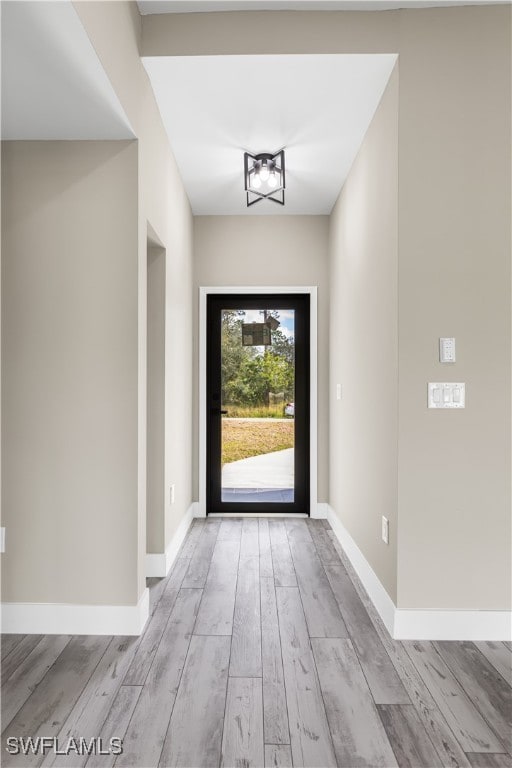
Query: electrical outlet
x=172 y=494
x=385 y=530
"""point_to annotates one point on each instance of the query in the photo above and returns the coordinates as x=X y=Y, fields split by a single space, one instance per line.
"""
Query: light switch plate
x=446 y=394
x=2 y=539
x=385 y=530
x=338 y=391
x=446 y=350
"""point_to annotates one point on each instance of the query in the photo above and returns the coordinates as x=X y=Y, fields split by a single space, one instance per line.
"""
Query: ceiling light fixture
x=264 y=177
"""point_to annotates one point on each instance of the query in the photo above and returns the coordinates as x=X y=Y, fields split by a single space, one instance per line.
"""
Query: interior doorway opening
x=155 y=397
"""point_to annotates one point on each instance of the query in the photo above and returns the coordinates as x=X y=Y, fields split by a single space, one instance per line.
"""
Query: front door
x=257 y=403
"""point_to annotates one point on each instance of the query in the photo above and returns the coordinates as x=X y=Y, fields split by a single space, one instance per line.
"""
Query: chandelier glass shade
x=264 y=177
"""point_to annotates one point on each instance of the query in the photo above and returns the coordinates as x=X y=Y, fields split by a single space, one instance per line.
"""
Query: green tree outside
x=250 y=374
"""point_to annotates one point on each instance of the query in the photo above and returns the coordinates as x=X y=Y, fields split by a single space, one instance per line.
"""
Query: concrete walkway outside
x=267 y=471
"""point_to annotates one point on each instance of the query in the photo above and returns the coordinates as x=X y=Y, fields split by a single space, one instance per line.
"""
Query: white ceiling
x=217 y=107
x=191 y=6
x=214 y=108
x=53 y=85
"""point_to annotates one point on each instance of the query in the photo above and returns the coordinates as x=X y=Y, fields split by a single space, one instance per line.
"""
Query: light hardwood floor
x=262 y=649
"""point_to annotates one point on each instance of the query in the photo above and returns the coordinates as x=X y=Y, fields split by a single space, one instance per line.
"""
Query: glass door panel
x=258 y=405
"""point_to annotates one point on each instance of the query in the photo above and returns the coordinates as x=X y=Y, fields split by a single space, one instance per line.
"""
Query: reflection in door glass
x=258 y=393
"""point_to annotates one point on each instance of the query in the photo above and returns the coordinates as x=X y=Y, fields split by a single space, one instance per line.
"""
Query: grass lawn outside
x=242 y=439
x=256 y=411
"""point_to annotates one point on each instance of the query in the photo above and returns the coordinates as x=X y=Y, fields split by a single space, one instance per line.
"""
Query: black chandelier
x=264 y=177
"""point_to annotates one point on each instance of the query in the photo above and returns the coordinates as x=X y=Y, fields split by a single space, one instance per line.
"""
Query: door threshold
x=258 y=514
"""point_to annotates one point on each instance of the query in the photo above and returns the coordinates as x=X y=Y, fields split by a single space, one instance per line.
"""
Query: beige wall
x=269 y=250
x=454 y=234
x=97 y=513
x=453 y=524
x=155 y=493
x=114 y=29
x=363 y=461
x=69 y=362
x=274 y=32
x=453 y=274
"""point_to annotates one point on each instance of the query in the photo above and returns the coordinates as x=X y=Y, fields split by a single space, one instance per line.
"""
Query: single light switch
x=338 y=391
x=446 y=350
x=446 y=395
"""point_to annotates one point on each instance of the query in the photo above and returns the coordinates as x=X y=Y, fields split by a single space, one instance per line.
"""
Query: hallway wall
x=454 y=527
x=74 y=399
x=268 y=250
x=454 y=548
x=449 y=506
x=363 y=349
x=450 y=534
x=69 y=363
x=114 y=29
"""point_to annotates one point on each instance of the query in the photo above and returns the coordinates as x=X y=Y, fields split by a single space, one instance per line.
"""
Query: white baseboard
x=195 y=509
x=199 y=509
x=66 y=619
x=419 y=624
x=378 y=595
x=178 y=538
x=160 y=564
x=453 y=625
x=155 y=565
x=320 y=511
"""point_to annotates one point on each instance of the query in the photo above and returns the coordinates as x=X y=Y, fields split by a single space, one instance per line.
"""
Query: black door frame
x=215 y=302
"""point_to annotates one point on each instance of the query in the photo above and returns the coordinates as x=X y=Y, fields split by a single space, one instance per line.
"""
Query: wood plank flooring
x=262 y=649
